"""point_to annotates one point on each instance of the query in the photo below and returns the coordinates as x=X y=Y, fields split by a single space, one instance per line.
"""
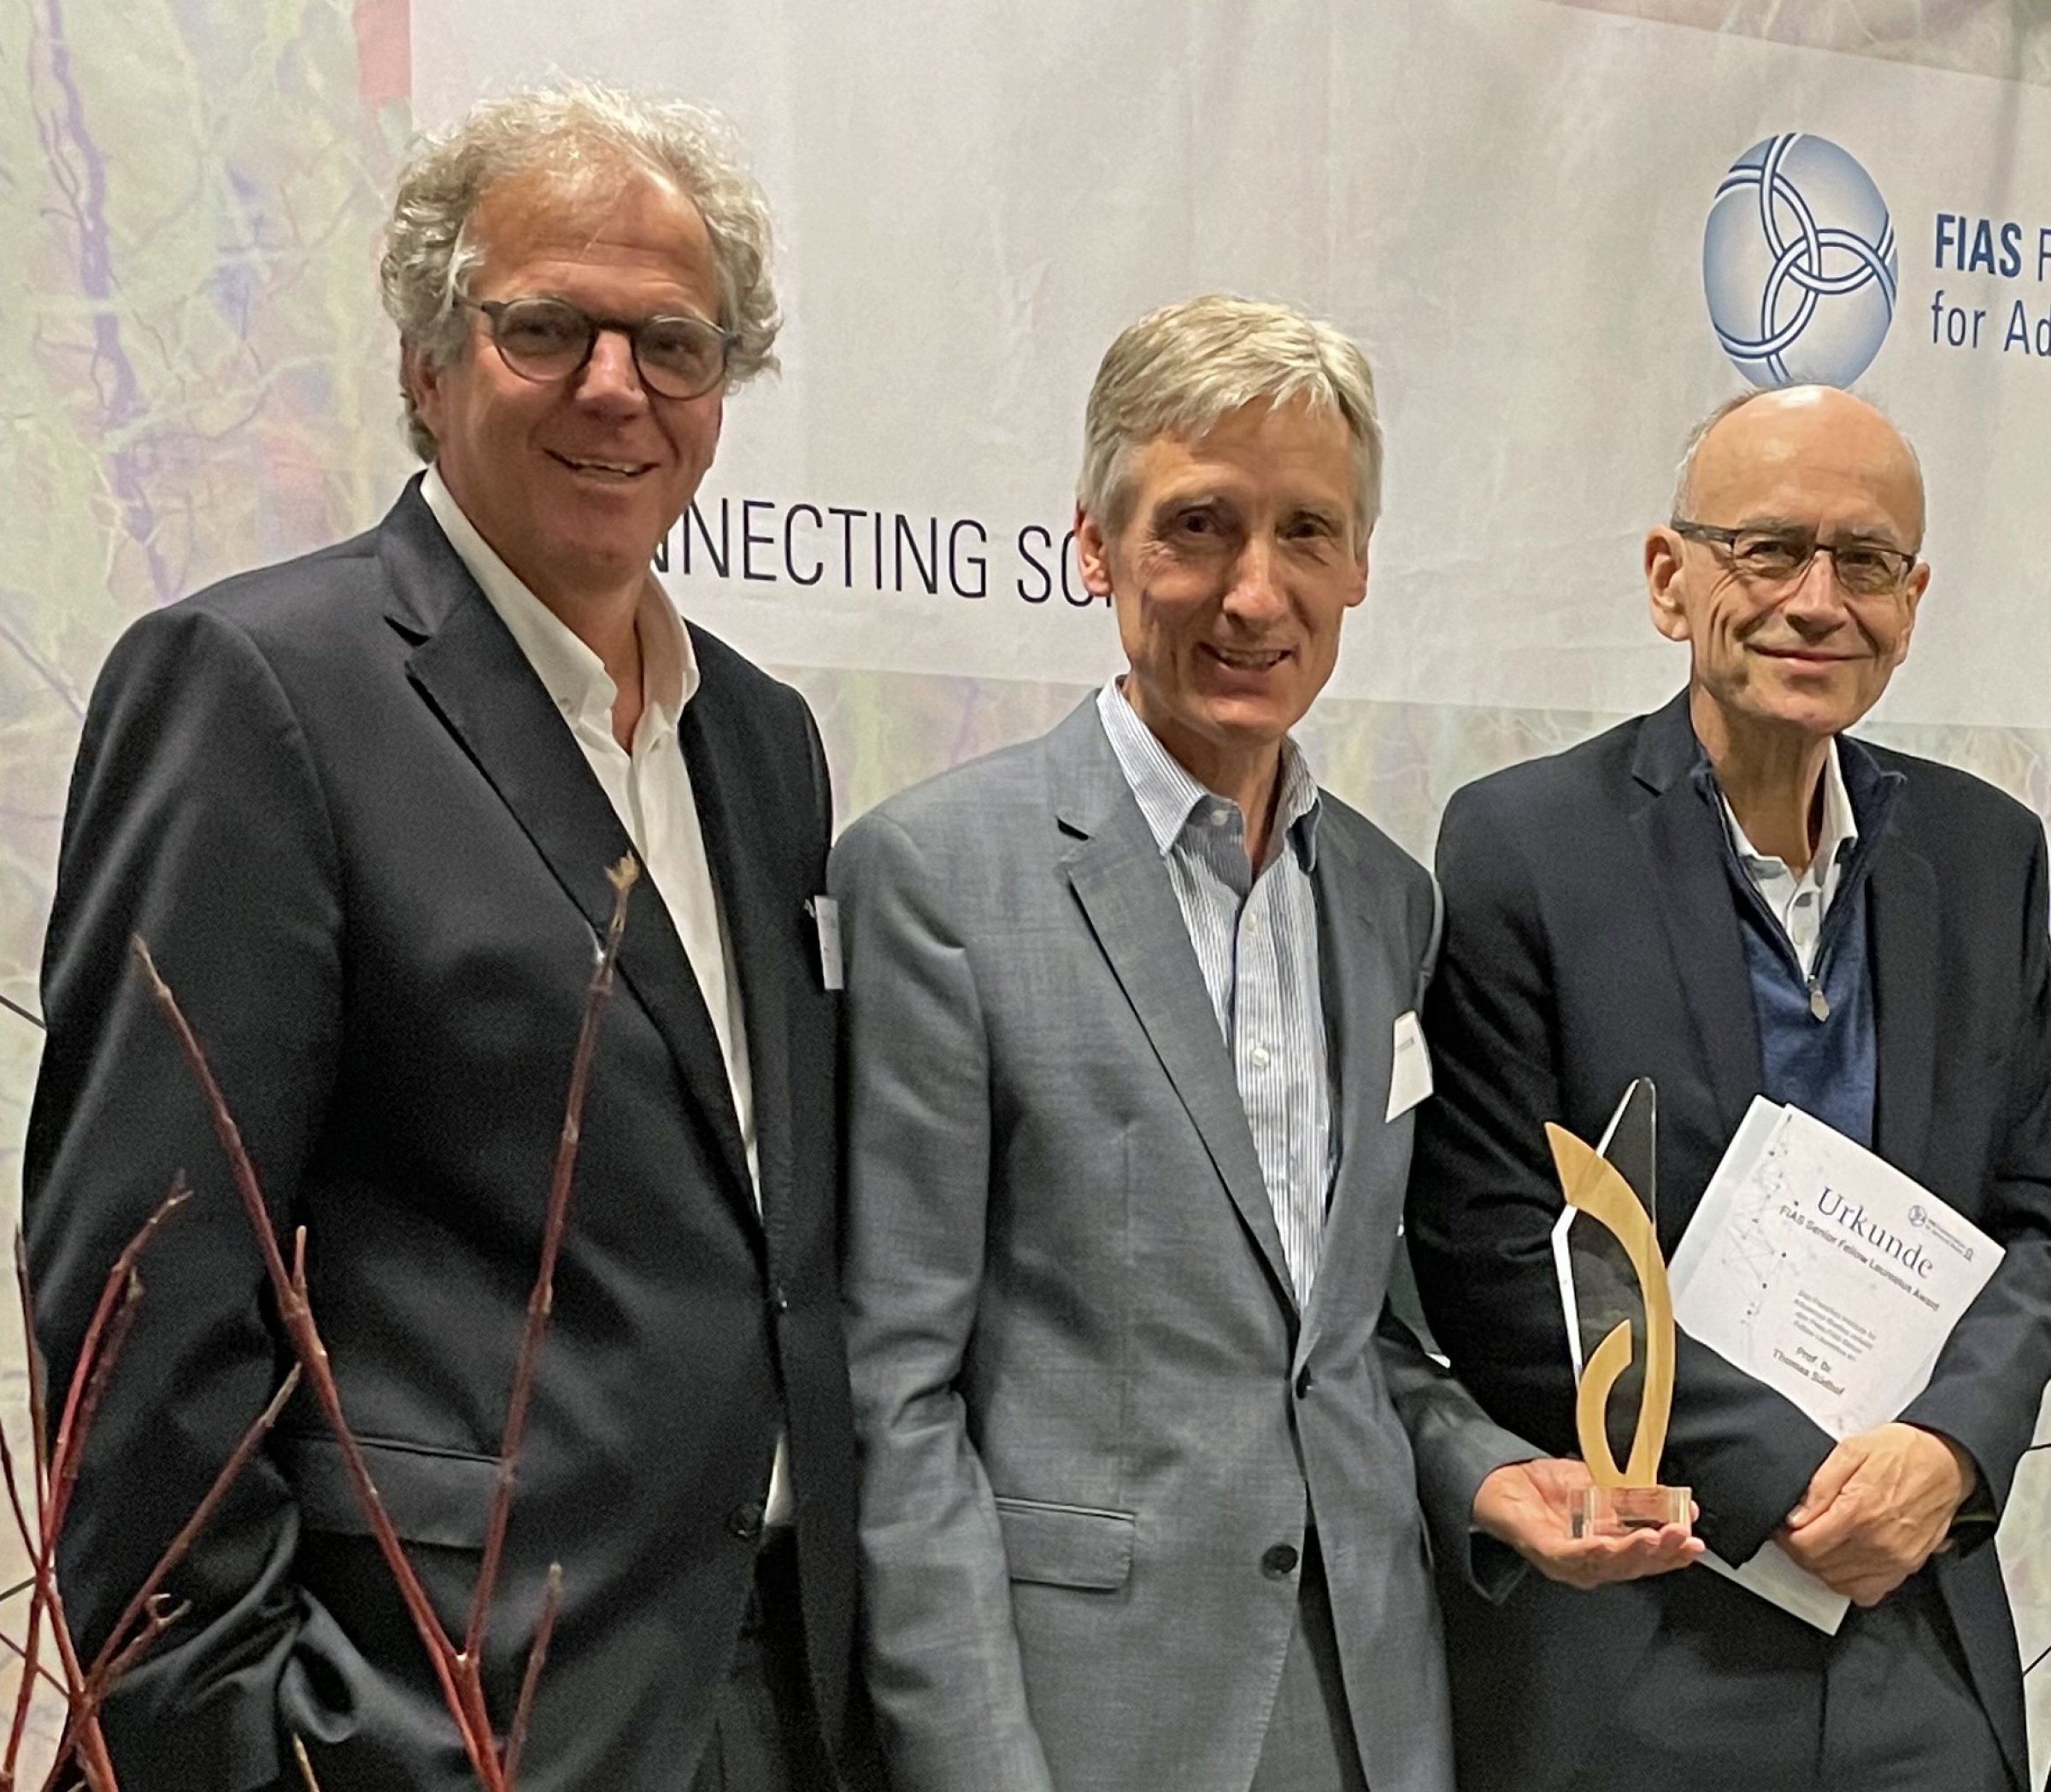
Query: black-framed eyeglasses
x=1780 y=556
x=545 y=339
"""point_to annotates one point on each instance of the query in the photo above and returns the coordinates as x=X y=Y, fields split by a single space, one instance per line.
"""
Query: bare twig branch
x=305 y=1767
x=43 y=1674
x=104 y=1335
x=289 y=1291
x=32 y=1539
x=541 y=1302
x=460 y=1673
x=65 y=1460
x=33 y=1542
x=537 y=1655
x=160 y=1616
x=58 y=1471
x=100 y=1675
x=94 y=1762
x=38 y=1405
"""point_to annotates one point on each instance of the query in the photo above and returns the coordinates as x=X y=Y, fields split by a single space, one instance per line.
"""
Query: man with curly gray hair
x=362 y=806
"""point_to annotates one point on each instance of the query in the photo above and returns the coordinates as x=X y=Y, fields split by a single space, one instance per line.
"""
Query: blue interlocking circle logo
x=1798 y=264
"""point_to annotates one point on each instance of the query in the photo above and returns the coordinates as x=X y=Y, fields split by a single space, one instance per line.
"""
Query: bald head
x=1786 y=641
x=1817 y=431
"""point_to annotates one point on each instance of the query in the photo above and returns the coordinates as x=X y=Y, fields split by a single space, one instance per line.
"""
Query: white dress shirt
x=1255 y=937
x=648 y=787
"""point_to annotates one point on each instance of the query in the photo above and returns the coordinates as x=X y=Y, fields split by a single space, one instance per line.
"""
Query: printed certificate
x=1824 y=1271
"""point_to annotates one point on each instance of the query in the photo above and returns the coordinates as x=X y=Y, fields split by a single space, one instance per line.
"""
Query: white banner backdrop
x=1505 y=200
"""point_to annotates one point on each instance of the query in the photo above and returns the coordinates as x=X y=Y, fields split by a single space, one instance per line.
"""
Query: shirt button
x=1252 y=923
x=1259 y=1055
x=745 y=1521
x=1305 y=1381
x=1219 y=816
x=1278 y=1562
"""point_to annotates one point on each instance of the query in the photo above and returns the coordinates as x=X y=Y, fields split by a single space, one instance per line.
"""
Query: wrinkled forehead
x=583 y=205
x=1294 y=451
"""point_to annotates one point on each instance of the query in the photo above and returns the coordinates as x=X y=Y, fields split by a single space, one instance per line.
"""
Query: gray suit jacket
x=1091 y=1417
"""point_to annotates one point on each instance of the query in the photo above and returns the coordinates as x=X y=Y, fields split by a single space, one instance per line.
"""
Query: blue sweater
x=1818 y=1044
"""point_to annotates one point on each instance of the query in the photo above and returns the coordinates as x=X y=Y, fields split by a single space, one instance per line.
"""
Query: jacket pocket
x=432 y=1497
x=1066 y=1546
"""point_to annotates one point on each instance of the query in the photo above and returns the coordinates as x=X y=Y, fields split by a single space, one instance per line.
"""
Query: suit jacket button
x=1280 y=1562
x=1305 y=1381
x=745 y=1522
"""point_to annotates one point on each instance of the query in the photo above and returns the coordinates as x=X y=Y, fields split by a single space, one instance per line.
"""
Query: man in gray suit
x=1133 y=1053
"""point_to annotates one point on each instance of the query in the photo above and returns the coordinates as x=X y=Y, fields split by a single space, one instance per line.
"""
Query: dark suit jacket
x=371 y=860
x=1591 y=937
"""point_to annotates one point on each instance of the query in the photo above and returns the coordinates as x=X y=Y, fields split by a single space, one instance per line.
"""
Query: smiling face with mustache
x=1800 y=656
x=1233 y=560
x=575 y=481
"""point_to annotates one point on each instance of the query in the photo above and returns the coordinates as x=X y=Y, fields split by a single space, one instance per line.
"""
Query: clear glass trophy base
x=1618 y=1511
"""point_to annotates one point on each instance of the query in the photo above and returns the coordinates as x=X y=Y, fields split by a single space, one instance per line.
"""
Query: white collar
x=1838 y=834
x=569 y=670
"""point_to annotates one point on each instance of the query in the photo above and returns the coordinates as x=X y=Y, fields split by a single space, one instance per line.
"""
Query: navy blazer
x=371 y=860
x=1591 y=937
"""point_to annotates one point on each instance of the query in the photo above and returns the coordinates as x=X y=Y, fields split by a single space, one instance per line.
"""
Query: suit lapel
x=717 y=753
x=1901 y=911
x=1361 y=1002
x=1684 y=850
x=471 y=671
x=1118 y=877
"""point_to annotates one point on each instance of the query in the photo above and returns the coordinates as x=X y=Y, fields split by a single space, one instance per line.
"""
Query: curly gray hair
x=1180 y=370
x=574 y=133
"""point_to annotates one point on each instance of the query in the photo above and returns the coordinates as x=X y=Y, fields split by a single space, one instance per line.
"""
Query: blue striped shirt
x=1256 y=944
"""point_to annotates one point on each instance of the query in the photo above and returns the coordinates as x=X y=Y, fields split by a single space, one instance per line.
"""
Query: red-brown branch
x=158 y=1616
x=64 y=1460
x=100 y=1675
x=537 y=1655
x=43 y=1674
x=289 y=1291
x=459 y=1673
x=104 y=1335
x=38 y=1405
x=31 y=1541
x=58 y=1470
x=31 y=1538
x=541 y=1301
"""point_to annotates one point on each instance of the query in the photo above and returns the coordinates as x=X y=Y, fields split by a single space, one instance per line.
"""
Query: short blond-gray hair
x=1182 y=369
x=573 y=133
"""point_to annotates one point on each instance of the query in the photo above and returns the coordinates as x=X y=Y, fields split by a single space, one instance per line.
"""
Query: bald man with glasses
x=1734 y=897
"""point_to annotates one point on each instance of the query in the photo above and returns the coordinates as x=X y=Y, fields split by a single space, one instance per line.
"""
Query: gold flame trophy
x=1613 y=1283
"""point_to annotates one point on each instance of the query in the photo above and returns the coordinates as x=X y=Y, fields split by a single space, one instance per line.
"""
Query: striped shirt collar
x=1170 y=799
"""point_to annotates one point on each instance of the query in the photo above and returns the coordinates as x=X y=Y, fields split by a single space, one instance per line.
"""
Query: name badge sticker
x=826 y=916
x=1410 y=1074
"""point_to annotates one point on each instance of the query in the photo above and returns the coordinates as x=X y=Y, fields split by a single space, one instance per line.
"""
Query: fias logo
x=1798 y=264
